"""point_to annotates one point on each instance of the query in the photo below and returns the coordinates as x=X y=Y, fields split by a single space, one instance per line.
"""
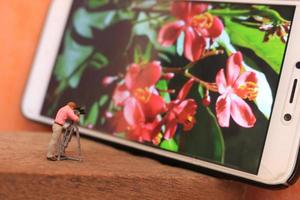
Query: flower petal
x=223 y=110
x=121 y=93
x=185 y=10
x=132 y=74
x=133 y=112
x=233 y=68
x=221 y=81
x=194 y=45
x=170 y=129
x=149 y=74
x=118 y=122
x=185 y=89
x=216 y=29
x=150 y=130
x=186 y=111
x=169 y=33
x=154 y=106
x=245 y=77
x=241 y=112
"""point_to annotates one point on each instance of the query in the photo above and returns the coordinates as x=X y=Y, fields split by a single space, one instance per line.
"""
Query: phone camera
x=298 y=65
x=287 y=117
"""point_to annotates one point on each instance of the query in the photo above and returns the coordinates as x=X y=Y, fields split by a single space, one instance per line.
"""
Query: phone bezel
x=278 y=147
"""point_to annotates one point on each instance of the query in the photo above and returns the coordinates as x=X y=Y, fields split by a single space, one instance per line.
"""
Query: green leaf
x=103 y=100
x=169 y=145
x=92 y=115
x=70 y=64
x=137 y=54
x=169 y=50
x=218 y=140
x=146 y=4
x=75 y=78
x=164 y=57
x=96 y=3
x=163 y=85
x=148 y=52
x=180 y=44
x=145 y=27
x=99 y=61
x=272 y=51
x=85 y=21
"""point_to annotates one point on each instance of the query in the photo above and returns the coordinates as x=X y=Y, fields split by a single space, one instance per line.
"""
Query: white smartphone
x=214 y=84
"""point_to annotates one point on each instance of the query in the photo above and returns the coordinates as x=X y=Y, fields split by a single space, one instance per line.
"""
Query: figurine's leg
x=52 y=147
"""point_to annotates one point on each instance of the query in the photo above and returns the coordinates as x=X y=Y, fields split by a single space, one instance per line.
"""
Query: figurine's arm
x=72 y=115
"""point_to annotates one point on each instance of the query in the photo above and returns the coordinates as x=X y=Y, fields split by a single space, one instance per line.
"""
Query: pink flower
x=234 y=87
x=140 y=102
x=181 y=111
x=195 y=25
x=143 y=131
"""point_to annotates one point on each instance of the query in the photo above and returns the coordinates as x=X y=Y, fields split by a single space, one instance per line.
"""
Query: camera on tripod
x=80 y=110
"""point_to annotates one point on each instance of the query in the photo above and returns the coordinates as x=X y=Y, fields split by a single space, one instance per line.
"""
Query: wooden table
x=107 y=173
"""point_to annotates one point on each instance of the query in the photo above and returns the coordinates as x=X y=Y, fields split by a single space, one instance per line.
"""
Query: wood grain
x=105 y=173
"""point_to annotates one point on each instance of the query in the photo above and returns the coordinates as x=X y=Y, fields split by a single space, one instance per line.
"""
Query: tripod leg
x=78 y=142
x=59 y=147
x=68 y=137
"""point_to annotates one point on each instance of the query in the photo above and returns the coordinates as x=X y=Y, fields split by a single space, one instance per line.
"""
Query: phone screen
x=194 y=78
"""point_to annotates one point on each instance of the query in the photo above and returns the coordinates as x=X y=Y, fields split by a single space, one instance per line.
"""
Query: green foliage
x=218 y=140
x=140 y=56
x=98 y=61
x=73 y=55
x=96 y=3
x=169 y=145
x=163 y=85
x=92 y=115
x=272 y=51
x=85 y=21
x=74 y=60
x=145 y=4
x=103 y=100
x=144 y=26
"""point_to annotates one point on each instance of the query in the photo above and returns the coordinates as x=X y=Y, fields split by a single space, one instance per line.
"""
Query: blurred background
x=21 y=22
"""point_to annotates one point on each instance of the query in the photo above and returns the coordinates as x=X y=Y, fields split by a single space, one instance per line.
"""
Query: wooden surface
x=108 y=173
x=105 y=173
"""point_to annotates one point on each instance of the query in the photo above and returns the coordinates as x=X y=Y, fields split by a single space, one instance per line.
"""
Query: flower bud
x=108 y=80
x=108 y=114
x=168 y=76
x=206 y=100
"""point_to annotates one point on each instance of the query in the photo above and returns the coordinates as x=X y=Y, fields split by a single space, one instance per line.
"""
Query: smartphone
x=210 y=83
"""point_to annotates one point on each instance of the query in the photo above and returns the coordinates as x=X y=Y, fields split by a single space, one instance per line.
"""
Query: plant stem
x=210 y=86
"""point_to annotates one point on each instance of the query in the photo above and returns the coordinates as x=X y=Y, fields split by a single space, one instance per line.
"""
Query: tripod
x=64 y=141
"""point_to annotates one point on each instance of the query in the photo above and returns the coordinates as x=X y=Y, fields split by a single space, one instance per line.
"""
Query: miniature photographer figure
x=64 y=113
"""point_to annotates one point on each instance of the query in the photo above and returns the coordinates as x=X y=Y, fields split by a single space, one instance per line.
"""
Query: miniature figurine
x=64 y=113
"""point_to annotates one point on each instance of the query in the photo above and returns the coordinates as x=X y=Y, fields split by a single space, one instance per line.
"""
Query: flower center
x=142 y=94
x=249 y=90
x=188 y=123
x=203 y=21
